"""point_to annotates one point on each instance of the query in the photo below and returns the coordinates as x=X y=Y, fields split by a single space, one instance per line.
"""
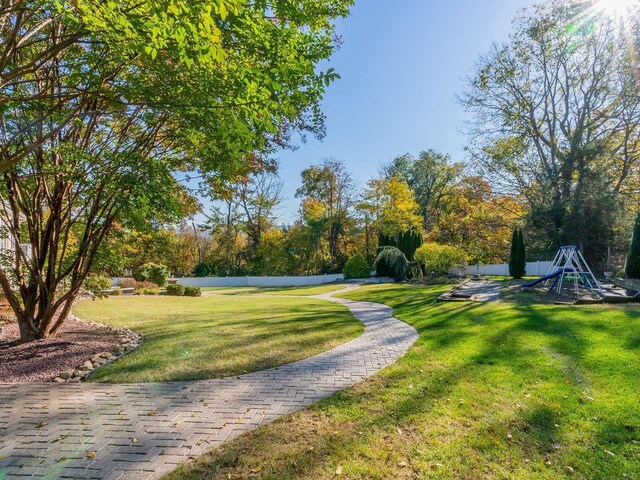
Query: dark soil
x=43 y=360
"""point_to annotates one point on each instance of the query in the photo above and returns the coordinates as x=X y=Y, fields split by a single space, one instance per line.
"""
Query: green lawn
x=296 y=291
x=216 y=336
x=502 y=390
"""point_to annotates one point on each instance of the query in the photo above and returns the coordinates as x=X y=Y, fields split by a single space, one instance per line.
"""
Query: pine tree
x=632 y=268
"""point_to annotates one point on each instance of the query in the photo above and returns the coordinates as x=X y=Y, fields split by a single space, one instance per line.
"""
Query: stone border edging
x=129 y=341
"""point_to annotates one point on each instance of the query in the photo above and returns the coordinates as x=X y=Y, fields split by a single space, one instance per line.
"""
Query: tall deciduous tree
x=431 y=177
x=328 y=190
x=392 y=206
x=558 y=120
x=107 y=100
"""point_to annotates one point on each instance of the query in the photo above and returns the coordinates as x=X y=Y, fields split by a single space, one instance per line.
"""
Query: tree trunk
x=27 y=334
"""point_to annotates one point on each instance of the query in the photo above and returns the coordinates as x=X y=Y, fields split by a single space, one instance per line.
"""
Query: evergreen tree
x=517 y=257
x=522 y=256
x=632 y=268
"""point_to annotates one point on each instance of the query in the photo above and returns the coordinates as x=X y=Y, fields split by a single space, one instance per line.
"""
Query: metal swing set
x=569 y=268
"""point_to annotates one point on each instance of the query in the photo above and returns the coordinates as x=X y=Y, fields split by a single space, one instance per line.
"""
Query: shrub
x=192 y=291
x=152 y=272
x=439 y=258
x=175 y=290
x=204 y=270
x=391 y=262
x=356 y=267
x=127 y=283
x=136 y=285
x=96 y=284
x=632 y=267
x=147 y=291
x=115 y=291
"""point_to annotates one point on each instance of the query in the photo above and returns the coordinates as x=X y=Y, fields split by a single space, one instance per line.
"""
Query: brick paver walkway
x=102 y=431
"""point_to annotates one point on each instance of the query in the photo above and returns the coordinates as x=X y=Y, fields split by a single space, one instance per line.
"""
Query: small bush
x=115 y=291
x=192 y=291
x=356 y=267
x=96 y=284
x=391 y=262
x=136 y=285
x=175 y=290
x=439 y=258
x=147 y=291
x=152 y=272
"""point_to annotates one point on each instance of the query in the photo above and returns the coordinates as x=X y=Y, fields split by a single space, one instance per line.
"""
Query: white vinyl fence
x=284 y=281
x=536 y=269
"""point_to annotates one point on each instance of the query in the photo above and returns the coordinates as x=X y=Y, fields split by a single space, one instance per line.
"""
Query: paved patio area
x=145 y=430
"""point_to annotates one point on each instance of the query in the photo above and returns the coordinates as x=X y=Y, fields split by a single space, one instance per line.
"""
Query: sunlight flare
x=618 y=7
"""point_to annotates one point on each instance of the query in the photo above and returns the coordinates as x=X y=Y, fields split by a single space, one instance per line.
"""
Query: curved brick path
x=145 y=430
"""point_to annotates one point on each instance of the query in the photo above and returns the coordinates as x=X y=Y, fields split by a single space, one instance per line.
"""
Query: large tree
x=327 y=194
x=557 y=119
x=431 y=176
x=104 y=101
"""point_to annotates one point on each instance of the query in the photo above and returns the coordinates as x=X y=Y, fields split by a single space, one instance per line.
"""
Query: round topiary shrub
x=192 y=291
x=175 y=290
x=356 y=267
x=152 y=272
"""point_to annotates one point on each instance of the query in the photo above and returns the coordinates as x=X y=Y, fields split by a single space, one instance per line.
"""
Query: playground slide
x=543 y=279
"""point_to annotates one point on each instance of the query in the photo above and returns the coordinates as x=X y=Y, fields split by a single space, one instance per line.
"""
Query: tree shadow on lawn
x=523 y=416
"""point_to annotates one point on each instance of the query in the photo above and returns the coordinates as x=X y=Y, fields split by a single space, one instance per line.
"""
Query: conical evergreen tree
x=522 y=255
x=517 y=263
x=513 y=257
x=632 y=268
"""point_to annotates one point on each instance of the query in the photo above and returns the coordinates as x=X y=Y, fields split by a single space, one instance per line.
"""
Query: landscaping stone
x=178 y=420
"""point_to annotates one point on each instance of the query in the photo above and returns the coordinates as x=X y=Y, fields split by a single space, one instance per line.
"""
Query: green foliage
x=517 y=258
x=439 y=258
x=632 y=268
x=175 y=290
x=147 y=291
x=204 y=270
x=392 y=263
x=152 y=272
x=192 y=291
x=96 y=284
x=408 y=242
x=357 y=267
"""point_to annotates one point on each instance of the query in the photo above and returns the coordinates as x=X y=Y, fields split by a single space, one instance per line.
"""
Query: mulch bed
x=43 y=360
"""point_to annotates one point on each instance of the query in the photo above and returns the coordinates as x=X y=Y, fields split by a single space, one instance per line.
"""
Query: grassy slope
x=296 y=291
x=206 y=337
x=488 y=391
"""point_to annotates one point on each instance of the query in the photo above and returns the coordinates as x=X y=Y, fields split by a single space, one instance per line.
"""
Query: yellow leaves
x=91 y=455
x=393 y=204
x=312 y=209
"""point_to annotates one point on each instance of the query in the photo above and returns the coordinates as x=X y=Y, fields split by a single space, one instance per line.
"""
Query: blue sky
x=402 y=64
